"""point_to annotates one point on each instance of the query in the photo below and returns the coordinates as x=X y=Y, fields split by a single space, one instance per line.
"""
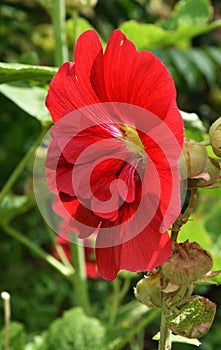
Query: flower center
x=133 y=141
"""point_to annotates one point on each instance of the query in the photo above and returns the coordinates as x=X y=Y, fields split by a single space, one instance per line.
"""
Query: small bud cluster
x=173 y=283
x=196 y=166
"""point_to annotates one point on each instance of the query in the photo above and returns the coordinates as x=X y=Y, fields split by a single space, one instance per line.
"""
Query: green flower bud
x=193 y=159
x=188 y=263
x=215 y=137
x=194 y=319
x=210 y=175
x=148 y=292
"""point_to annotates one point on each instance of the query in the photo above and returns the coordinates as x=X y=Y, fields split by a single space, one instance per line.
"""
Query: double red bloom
x=113 y=163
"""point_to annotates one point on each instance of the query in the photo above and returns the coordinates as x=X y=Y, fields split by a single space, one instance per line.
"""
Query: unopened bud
x=148 y=292
x=215 y=137
x=210 y=175
x=188 y=263
x=193 y=159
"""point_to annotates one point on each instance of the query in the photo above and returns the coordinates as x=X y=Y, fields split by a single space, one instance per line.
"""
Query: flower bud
x=210 y=175
x=215 y=137
x=193 y=159
x=188 y=263
x=194 y=319
x=148 y=292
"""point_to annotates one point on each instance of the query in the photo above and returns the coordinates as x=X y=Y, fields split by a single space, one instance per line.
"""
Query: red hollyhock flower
x=112 y=159
x=91 y=267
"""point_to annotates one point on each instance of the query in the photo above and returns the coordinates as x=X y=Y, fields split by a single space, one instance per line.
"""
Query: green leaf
x=29 y=98
x=194 y=128
x=75 y=331
x=12 y=72
x=13 y=205
x=131 y=319
x=184 y=66
x=151 y=36
x=194 y=319
x=203 y=63
x=16 y=336
x=193 y=12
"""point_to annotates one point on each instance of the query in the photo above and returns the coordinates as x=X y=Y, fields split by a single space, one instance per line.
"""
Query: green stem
x=7 y=312
x=117 y=296
x=75 y=15
x=183 y=218
x=37 y=250
x=59 y=249
x=164 y=342
x=137 y=329
x=20 y=167
x=114 y=302
x=80 y=278
x=58 y=19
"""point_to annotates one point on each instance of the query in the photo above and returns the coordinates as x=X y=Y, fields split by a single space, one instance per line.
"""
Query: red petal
x=71 y=87
x=144 y=252
x=127 y=175
x=78 y=218
x=91 y=270
x=134 y=77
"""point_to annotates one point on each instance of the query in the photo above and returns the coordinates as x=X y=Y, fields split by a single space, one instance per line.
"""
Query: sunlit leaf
x=194 y=12
x=30 y=99
x=150 y=36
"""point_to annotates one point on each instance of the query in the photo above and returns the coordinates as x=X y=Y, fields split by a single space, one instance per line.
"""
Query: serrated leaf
x=29 y=98
x=150 y=36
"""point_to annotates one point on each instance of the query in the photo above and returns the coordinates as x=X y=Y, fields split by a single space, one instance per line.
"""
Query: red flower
x=112 y=159
x=91 y=267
